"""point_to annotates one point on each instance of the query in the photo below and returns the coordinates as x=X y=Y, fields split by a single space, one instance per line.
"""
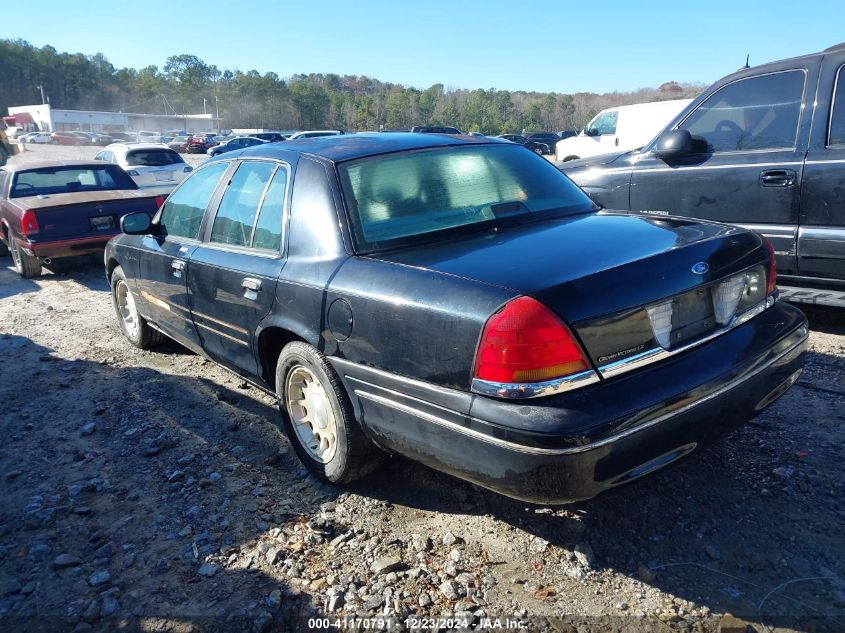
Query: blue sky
x=542 y=45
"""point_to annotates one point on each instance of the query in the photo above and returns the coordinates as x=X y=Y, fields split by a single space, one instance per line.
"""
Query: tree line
x=187 y=85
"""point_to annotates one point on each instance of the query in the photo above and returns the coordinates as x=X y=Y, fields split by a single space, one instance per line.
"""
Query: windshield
x=53 y=180
x=153 y=157
x=408 y=197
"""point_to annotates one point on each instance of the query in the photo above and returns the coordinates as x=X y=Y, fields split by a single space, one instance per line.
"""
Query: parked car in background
x=38 y=138
x=314 y=134
x=179 y=144
x=620 y=129
x=123 y=136
x=534 y=146
x=85 y=138
x=66 y=138
x=763 y=148
x=271 y=137
x=150 y=165
x=200 y=143
x=567 y=133
x=435 y=129
x=571 y=350
x=239 y=142
x=549 y=139
x=51 y=210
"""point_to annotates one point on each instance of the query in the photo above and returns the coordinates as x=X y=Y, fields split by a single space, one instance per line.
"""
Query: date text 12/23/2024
x=416 y=623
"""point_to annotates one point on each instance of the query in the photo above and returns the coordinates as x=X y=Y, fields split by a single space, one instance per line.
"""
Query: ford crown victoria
x=460 y=301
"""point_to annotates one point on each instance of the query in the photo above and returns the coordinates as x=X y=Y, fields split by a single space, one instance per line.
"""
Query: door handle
x=778 y=178
x=251 y=284
x=178 y=265
x=251 y=287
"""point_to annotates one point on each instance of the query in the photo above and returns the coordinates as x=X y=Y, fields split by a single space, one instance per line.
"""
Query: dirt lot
x=153 y=491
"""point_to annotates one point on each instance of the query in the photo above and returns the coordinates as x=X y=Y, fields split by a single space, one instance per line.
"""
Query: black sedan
x=459 y=301
x=537 y=147
x=239 y=142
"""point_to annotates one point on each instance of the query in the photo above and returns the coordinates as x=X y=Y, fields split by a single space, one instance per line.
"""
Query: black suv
x=763 y=148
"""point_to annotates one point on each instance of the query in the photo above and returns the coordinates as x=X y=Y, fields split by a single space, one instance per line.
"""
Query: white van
x=620 y=129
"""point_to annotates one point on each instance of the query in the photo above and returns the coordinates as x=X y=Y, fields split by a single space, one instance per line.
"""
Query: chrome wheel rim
x=311 y=414
x=126 y=308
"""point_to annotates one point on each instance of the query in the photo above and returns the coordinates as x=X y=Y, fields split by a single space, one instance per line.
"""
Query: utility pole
x=203 y=105
x=217 y=111
x=43 y=100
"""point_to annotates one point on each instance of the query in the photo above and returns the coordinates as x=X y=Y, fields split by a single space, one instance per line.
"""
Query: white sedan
x=36 y=137
x=150 y=165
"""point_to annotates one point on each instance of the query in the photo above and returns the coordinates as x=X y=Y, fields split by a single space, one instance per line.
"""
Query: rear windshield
x=52 y=180
x=409 y=197
x=152 y=157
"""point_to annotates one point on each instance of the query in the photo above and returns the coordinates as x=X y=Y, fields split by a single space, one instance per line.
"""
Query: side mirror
x=591 y=131
x=136 y=223
x=673 y=143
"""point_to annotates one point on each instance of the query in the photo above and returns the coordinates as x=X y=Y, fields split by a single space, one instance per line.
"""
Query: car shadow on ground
x=10 y=282
x=170 y=475
x=722 y=528
x=752 y=525
x=825 y=319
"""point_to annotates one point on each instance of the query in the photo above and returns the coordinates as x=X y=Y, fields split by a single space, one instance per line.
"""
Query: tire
x=26 y=265
x=569 y=158
x=4 y=156
x=4 y=250
x=538 y=151
x=303 y=375
x=133 y=326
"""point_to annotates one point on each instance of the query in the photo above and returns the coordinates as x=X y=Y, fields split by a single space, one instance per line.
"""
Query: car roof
x=139 y=145
x=350 y=146
x=46 y=164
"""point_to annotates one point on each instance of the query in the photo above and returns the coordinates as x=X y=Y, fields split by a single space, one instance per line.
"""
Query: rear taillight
x=159 y=201
x=772 y=280
x=29 y=223
x=525 y=342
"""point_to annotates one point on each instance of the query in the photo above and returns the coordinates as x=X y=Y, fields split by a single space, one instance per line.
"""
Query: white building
x=53 y=120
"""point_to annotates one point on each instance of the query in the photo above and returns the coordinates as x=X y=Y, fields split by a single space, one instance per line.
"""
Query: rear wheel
x=318 y=419
x=134 y=327
x=568 y=158
x=28 y=266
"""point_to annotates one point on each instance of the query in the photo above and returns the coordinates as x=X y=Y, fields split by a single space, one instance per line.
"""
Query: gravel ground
x=153 y=491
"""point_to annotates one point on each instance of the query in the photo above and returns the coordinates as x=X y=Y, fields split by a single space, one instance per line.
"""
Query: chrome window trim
x=534 y=390
x=833 y=104
x=655 y=354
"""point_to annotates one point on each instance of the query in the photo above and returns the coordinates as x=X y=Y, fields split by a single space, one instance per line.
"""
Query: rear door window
x=239 y=206
x=181 y=215
x=152 y=158
x=751 y=114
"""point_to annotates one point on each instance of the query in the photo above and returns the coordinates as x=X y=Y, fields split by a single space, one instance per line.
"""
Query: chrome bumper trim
x=655 y=354
x=533 y=450
x=536 y=389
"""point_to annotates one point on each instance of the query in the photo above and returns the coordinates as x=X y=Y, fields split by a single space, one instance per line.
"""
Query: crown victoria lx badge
x=700 y=268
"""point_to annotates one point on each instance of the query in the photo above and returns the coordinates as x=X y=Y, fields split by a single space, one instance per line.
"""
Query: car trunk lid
x=83 y=214
x=601 y=272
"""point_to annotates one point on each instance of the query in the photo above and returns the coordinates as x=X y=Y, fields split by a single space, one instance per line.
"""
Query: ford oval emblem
x=700 y=268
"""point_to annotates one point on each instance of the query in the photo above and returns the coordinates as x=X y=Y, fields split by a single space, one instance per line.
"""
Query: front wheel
x=134 y=327
x=318 y=419
x=28 y=266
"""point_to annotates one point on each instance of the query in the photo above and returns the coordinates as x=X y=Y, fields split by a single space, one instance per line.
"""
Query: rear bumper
x=56 y=249
x=579 y=444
